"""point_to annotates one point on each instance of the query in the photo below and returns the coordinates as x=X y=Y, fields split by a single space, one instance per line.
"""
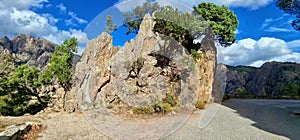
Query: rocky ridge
x=28 y=50
x=271 y=80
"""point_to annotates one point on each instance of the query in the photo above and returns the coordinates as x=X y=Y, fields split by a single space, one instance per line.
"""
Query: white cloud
x=254 y=53
x=21 y=4
x=61 y=7
x=52 y=20
x=20 y=19
x=60 y=36
x=74 y=19
x=278 y=29
x=280 y=24
x=24 y=21
x=294 y=44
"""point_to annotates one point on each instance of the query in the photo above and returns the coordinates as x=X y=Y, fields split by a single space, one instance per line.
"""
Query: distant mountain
x=26 y=49
x=271 y=80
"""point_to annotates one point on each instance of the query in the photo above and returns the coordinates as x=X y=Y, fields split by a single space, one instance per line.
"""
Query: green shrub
x=290 y=89
x=243 y=92
x=201 y=104
x=162 y=107
x=196 y=56
x=171 y=99
x=143 y=110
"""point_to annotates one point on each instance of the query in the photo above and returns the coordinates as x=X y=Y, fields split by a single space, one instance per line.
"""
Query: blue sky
x=264 y=33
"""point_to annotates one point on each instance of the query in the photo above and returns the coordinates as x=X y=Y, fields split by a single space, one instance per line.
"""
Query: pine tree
x=110 y=27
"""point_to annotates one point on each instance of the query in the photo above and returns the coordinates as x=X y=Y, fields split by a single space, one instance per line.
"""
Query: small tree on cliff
x=110 y=27
x=60 y=67
x=222 y=20
x=134 y=19
x=185 y=27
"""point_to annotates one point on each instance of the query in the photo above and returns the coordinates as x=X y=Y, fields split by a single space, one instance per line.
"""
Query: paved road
x=246 y=120
x=235 y=120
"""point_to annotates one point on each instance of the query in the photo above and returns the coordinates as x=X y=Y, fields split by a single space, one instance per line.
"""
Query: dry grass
x=201 y=104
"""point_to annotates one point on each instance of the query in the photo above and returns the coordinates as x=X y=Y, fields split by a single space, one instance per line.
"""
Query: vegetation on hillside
x=242 y=68
x=19 y=85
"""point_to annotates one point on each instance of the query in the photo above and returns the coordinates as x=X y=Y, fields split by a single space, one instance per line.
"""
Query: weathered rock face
x=28 y=50
x=206 y=67
x=266 y=81
x=144 y=71
x=237 y=80
x=219 y=84
x=93 y=70
x=270 y=77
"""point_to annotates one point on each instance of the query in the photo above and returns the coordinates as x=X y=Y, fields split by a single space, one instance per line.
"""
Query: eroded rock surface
x=144 y=71
x=93 y=71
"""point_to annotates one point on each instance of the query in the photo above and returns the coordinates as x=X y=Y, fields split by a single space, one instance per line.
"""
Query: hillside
x=25 y=49
x=28 y=50
x=271 y=80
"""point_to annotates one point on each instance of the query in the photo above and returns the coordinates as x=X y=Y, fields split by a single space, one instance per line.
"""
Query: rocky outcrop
x=15 y=132
x=206 y=67
x=144 y=71
x=219 y=84
x=28 y=50
x=94 y=69
x=238 y=78
x=271 y=80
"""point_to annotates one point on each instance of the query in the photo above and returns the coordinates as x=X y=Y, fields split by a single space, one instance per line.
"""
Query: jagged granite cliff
x=28 y=50
x=25 y=49
x=271 y=80
x=145 y=71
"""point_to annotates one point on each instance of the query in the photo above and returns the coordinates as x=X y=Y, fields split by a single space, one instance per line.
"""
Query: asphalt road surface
x=244 y=120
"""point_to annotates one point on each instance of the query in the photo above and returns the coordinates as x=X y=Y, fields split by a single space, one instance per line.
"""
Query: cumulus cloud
x=60 y=36
x=256 y=52
x=294 y=45
x=21 y=4
x=20 y=19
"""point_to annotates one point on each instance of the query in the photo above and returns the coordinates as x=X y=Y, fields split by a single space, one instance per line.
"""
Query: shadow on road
x=273 y=119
